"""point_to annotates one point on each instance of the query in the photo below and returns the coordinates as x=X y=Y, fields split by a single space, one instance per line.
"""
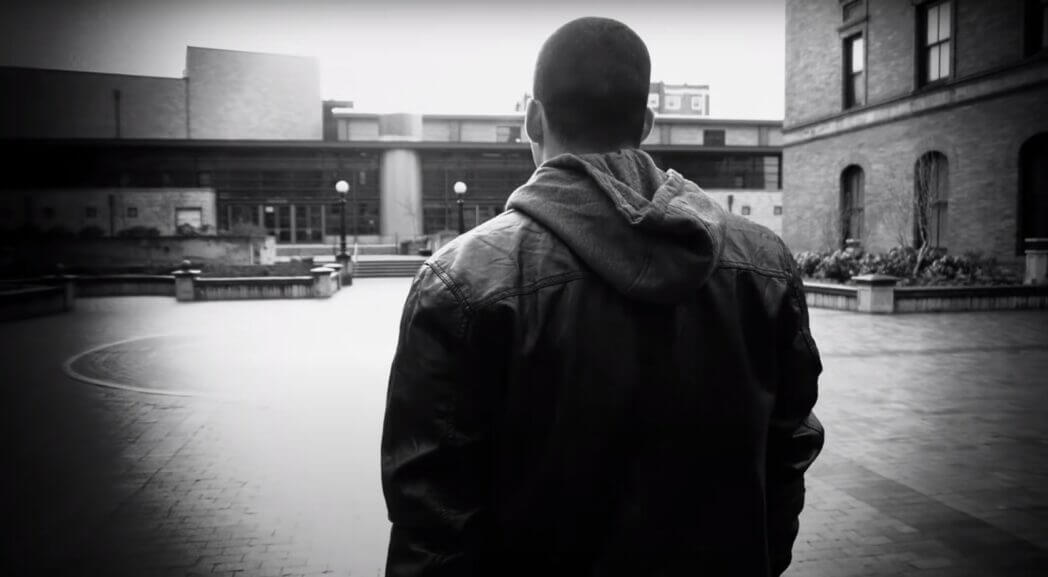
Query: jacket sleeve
x=795 y=436
x=434 y=440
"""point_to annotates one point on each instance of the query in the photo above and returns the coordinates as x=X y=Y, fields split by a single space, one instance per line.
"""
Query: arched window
x=1033 y=191
x=853 y=198
x=931 y=196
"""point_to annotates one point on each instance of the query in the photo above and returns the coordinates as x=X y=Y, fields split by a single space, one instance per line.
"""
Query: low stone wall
x=220 y=289
x=20 y=302
x=322 y=282
x=944 y=299
x=878 y=295
x=831 y=296
x=125 y=285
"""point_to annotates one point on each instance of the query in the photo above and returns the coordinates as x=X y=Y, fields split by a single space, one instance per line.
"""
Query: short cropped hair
x=592 y=78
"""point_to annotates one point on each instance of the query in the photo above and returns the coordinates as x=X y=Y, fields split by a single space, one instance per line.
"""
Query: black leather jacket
x=613 y=377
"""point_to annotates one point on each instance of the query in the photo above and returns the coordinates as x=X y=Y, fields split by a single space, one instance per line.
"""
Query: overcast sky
x=456 y=56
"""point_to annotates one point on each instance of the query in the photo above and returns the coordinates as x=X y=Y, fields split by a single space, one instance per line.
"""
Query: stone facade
x=978 y=119
x=249 y=95
x=109 y=209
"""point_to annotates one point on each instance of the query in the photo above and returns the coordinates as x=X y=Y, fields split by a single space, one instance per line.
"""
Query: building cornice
x=350 y=145
x=983 y=86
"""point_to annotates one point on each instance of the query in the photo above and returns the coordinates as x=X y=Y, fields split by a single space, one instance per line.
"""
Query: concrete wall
x=152 y=252
x=154 y=207
x=761 y=204
x=249 y=95
x=981 y=141
x=64 y=104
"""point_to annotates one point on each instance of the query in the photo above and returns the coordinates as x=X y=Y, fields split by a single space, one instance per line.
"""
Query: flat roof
x=356 y=144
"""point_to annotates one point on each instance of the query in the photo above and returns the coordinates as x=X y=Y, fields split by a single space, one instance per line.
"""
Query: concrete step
x=391 y=267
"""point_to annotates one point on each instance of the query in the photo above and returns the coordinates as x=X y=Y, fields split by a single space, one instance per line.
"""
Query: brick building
x=888 y=98
x=681 y=99
x=251 y=130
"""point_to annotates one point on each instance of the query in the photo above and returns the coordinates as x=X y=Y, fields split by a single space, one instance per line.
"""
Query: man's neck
x=554 y=149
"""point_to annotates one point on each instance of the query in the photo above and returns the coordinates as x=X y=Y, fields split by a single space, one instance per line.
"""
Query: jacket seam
x=561 y=278
x=802 y=306
x=456 y=292
x=777 y=273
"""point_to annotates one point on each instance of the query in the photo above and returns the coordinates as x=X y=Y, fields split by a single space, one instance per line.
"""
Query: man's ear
x=533 y=121
x=649 y=122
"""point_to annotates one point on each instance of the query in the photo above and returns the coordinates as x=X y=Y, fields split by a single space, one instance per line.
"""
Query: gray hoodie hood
x=652 y=235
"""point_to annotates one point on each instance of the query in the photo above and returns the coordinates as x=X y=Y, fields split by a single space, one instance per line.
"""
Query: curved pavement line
x=67 y=368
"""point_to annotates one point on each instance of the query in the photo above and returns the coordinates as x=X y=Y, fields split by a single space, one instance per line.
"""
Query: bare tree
x=896 y=209
x=928 y=190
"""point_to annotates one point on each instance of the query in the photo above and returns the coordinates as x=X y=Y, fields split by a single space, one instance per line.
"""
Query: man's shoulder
x=755 y=247
x=510 y=251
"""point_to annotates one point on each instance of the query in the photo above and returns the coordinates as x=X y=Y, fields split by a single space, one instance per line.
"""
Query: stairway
x=387 y=266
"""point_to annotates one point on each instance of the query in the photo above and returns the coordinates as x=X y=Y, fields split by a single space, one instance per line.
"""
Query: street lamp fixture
x=460 y=194
x=342 y=188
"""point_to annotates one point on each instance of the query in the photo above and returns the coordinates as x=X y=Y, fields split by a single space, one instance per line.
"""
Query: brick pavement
x=936 y=461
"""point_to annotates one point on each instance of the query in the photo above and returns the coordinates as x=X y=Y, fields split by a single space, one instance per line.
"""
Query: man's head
x=591 y=90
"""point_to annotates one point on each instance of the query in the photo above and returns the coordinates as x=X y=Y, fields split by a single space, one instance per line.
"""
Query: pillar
x=1036 y=267
x=323 y=281
x=401 y=177
x=184 y=281
x=876 y=293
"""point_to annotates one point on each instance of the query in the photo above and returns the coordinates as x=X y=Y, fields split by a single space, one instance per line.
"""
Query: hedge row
x=937 y=268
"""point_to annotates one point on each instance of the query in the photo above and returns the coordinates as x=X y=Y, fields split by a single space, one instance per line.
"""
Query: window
x=930 y=199
x=854 y=71
x=777 y=211
x=673 y=102
x=696 y=103
x=193 y=217
x=132 y=212
x=853 y=10
x=653 y=101
x=507 y=133
x=204 y=178
x=936 y=28
x=713 y=137
x=91 y=212
x=853 y=184
x=1035 y=33
x=1033 y=191
x=745 y=210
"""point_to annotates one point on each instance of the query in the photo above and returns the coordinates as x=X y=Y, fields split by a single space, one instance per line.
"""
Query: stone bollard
x=1036 y=261
x=323 y=281
x=338 y=274
x=184 y=281
x=346 y=274
x=68 y=282
x=876 y=293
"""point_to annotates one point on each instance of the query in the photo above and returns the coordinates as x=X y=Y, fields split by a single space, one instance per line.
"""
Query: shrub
x=139 y=232
x=185 y=229
x=807 y=261
x=937 y=268
x=91 y=231
x=58 y=232
x=248 y=229
x=840 y=265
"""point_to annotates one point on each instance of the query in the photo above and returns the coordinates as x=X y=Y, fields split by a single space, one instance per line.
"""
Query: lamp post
x=342 y=187
x=460 y=194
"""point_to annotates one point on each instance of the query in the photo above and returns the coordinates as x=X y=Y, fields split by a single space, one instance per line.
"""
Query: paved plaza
x=149 y=437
